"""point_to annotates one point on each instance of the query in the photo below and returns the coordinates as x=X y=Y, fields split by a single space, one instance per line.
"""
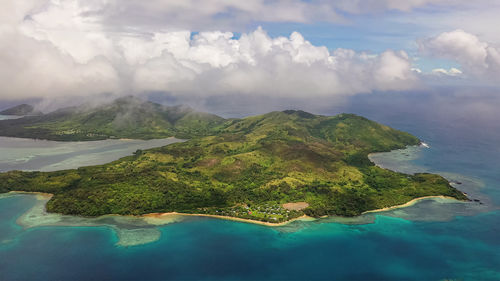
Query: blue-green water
x=5 y=117
x=42 y=155
x=390 y=249
x=445 y=240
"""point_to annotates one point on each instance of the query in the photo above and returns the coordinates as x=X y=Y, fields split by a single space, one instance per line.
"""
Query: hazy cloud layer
x=230 y=14
x=63 y=48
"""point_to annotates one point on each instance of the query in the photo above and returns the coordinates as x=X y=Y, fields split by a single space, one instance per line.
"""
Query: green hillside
x=247 y=169
x=127 y=117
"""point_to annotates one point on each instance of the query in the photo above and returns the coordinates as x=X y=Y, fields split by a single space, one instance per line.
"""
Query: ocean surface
x=6 y=117
x=42 y=155
x=434 y=239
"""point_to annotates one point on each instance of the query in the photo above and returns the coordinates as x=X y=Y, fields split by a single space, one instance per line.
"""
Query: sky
x=206 y=50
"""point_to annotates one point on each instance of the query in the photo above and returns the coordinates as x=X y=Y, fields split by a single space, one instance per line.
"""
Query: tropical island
x=272 y=168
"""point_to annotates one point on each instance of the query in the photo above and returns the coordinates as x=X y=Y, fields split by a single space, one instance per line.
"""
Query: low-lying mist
x=474 y=106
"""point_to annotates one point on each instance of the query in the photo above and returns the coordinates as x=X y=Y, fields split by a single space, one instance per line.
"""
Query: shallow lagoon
x=43 y=155
x=6 y=117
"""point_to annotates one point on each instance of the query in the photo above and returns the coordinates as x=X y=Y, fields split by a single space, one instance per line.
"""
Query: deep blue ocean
x=464 y=244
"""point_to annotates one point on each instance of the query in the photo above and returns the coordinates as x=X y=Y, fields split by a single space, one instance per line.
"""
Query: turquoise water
x=5 y=117
x=42 y=155
x=389 y=249
x=432 y=240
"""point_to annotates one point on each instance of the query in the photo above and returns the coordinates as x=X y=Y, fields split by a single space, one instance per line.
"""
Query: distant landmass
x=127 y=117
x=20 y=110
x=272 y=167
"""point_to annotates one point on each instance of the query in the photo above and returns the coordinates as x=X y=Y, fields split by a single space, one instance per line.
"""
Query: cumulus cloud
x=63 y=48
x=30 y=68
x=477 y=58
x=213 y=63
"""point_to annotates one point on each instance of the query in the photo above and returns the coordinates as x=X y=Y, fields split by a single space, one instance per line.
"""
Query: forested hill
x=247 y=168
x=126 y=117
x=20 y=110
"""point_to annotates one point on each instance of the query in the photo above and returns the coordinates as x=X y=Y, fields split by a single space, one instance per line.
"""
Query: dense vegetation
x=127 y=117
x=247 y=168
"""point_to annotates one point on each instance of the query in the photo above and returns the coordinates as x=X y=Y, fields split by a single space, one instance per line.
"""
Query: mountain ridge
x=126 y=117
x=20 y=110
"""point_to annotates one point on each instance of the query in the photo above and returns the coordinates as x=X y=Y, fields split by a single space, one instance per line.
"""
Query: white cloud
x=451 y=72
x=64 y=48
x=477 y=58
x=32 y=68
x=212 y=63
x=479 y=17
x=62 y=22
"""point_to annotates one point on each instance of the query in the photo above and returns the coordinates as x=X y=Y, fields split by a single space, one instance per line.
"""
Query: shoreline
x=42 y=195
x=409 y=203
x=166 y=215
x=171 y=215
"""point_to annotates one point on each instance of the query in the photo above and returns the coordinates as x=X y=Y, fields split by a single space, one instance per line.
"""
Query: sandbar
x=408 y=204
